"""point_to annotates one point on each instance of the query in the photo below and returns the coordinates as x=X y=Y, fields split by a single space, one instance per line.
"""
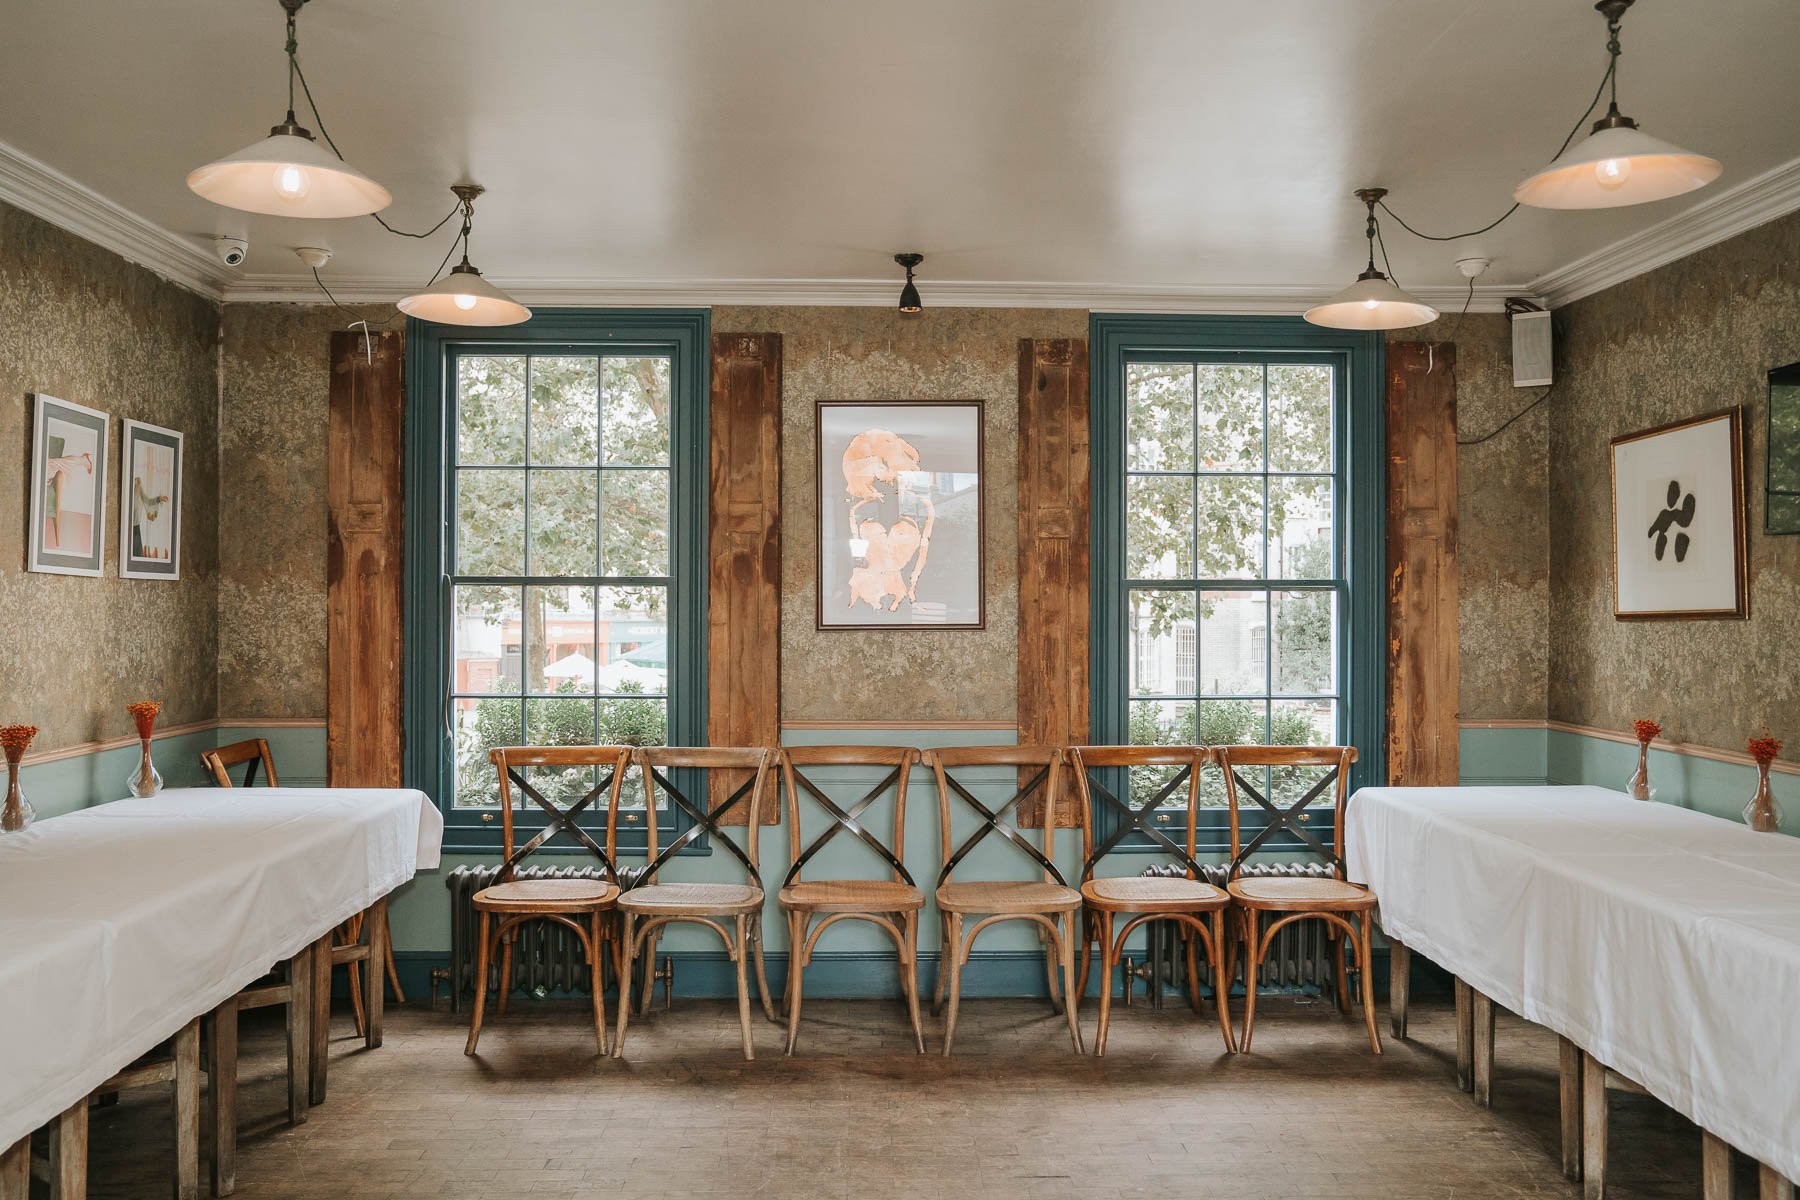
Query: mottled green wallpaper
x=1693 y=337
x=82 y=324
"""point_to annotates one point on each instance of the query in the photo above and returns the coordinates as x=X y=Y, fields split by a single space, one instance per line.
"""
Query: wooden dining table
x=1661 y=942
x=124 y=923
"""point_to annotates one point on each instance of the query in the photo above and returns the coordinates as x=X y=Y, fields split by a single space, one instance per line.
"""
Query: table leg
x=15 y=1170
x=319 y=1033
x=221 y=1073
x=1715 y=1167
x=1465 y=1037
x=1482 y=1021
x=374 y=978
x=187 y=1112
x=68 y=1153
x=1569 y=1055
x=1593 y=1128
x=299 y=1033
x=1399 y=984
x=1772 y=1184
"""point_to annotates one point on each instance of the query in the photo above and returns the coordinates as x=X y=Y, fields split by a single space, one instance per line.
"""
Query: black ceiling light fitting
x=909 y=295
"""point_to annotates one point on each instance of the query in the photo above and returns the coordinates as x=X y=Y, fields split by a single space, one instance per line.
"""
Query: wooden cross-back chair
x=893 y=904
x=362 y=940
x=1287 y=899
x=1049 y=903
x=652 y=904
x=1197 y=906
x=581 y=905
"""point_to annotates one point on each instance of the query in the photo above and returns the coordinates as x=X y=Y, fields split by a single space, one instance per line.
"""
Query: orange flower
x=1763 y=749
x=1647 y=731
x=14 y=739
x=143 y=715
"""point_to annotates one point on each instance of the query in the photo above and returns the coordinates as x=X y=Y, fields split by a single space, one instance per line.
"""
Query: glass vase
x=144 y=781
x=17 y=812
x=1638 y=786
x=1762 y=813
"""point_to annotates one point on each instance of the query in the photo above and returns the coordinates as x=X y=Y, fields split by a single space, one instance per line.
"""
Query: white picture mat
x=139 y=441
x=1700 y=458
x=47 y=409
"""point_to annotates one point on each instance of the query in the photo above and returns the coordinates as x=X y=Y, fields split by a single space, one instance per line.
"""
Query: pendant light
x=1617 y=163
x=1373 y=301
x=288 y=174
x=909 y=295
x=463 y=297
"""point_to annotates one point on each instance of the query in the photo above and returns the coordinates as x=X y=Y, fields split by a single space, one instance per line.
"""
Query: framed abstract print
x=68 y=475
x=900 y=515
x=1678 y=520
x=150 y=503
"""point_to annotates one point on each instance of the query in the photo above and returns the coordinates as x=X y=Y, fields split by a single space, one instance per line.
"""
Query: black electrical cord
x=1541 y=397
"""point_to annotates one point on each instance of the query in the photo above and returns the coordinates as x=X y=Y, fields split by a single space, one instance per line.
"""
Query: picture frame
x=69 y=445
x=901 y=515
x=150 y=497
x=1781 y=478
x=1679 y=549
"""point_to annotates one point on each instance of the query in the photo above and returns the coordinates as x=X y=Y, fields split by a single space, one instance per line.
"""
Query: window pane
x=634 y=721
x=480 y=726
x=1303 y=723
x=1162 y=659
x=1159 y=417
x=486 y=640
x=565 y=410
x=490 y=522
x=1305 y=642
x=1159 y=528
x=635 y=514
x=1300 y=527
x=563 y=518
x=1234 y=643
x=635 y=423
x=1231 y=417
x=558 y=636
x=634 y=641
x=1159 y=723
x=1231 y=528
x=1233 y=722
x=490 y=410
x=561 y=721
x=1300 y=408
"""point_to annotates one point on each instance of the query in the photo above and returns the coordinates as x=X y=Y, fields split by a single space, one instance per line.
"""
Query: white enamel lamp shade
x=287 y=174
x=463 y=297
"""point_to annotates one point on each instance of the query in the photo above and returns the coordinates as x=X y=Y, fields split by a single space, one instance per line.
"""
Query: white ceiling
x=1206 y=145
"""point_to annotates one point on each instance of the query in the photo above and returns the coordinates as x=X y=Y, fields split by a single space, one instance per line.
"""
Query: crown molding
x=856 y=293
x=43 y=191
x=1756 y=201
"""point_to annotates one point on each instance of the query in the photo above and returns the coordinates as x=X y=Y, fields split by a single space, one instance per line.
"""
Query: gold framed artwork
x=901 y=526
x=1678 y=521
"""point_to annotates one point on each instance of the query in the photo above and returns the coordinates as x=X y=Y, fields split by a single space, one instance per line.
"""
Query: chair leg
x=221 y=1077
x=481 y=983
x=1071 y=996
x=597 y=966
x=1253 y=952
x=627 y=955
x=951 y=961
x=942 y=982
x=393 y=972
x=909 y=974
x=1087 y=950
x=1340 y=982
x=1365 y=968
x=796 y=975
x=358 y=1015
x=1052 y=963
x=1221 y=977
x=762 y=972
x=1108 y=961
x=740 y=954
x=1193 y=967
x=504 y=998
x=649 y=973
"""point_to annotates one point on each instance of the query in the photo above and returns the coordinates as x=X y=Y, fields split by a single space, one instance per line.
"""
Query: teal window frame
x=685 y=336
x=1358 y=358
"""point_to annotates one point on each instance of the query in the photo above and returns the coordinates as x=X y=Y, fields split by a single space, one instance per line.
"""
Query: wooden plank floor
x=855 y=1113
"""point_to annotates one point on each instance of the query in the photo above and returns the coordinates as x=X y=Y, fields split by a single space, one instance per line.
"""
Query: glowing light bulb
x=292 y=183
x=1611 y=173
x=464 y=301
x=1371 y=304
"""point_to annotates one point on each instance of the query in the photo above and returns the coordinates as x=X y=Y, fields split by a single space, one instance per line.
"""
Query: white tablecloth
x=1664 y=942
x=121 y=923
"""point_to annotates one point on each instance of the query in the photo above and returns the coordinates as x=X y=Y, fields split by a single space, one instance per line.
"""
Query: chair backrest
x=1334 y=764
x=898 y=760
x=657 y=763
x=253 y=751
x=513 y=763
x=1047 y=760
x=1182 y=766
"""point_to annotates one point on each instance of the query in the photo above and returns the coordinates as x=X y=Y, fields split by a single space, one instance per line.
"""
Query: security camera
x=231 y=250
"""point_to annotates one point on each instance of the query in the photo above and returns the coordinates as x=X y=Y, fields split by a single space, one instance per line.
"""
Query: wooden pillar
x=744 y=611
x=1422 y=661
x=1053 y=552
x=365 y=469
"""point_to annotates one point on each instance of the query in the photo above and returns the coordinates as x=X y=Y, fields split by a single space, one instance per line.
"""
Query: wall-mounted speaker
x=1531 y=349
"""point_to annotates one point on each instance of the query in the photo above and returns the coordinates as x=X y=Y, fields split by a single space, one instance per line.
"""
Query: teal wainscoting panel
x=1702 y=784
x=1493 y=756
